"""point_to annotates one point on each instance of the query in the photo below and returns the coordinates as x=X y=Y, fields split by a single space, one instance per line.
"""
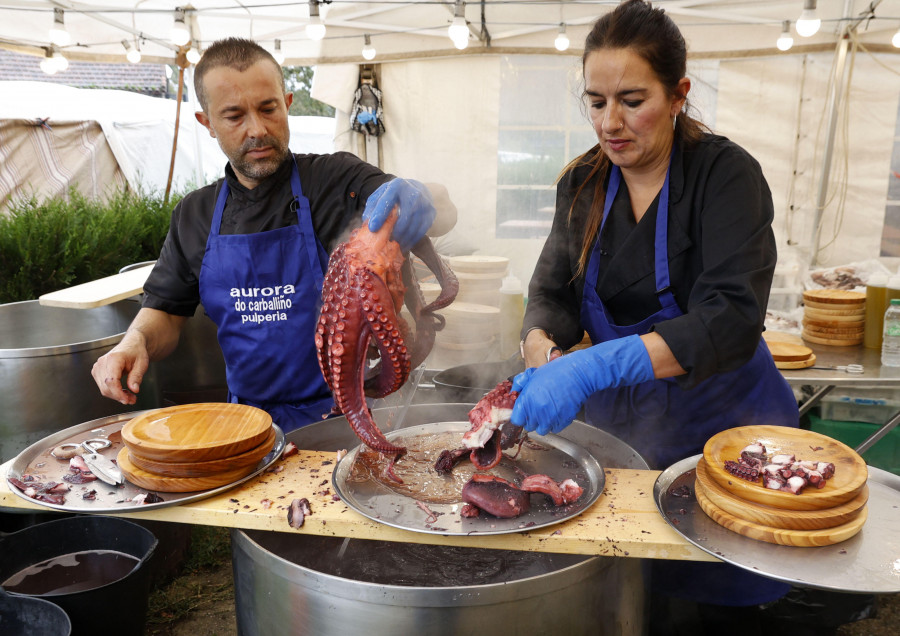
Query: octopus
x=504 y=499
x=365 y=348
x=780 y=471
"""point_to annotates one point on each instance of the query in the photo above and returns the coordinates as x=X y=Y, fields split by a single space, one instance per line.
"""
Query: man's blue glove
x=551 y=395
x=416 y=211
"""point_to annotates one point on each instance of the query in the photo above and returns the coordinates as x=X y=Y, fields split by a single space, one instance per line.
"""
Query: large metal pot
x=46 y=355
x=469 y=382
x=284 y=586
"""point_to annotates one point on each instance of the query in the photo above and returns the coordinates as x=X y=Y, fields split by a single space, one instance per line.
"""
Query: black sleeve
x=726 y=307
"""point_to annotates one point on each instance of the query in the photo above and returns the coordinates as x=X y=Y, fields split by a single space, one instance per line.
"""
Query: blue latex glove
x=416 y=211
x=551 y=395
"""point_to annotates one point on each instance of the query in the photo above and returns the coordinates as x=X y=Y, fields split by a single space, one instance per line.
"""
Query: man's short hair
x=237 y=53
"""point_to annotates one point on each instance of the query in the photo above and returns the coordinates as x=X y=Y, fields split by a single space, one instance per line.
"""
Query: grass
x=205 y=581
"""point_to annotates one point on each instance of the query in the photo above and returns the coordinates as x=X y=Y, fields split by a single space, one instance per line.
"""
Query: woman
x=662 y=250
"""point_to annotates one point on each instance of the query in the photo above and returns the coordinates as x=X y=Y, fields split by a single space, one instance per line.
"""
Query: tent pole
x=181 y=66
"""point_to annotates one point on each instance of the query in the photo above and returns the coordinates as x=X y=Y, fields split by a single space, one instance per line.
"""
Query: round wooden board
x=834 y=296
x=788 y=352
x=197 y=432
x=207 y=468
x=814 y=326
x=848 y=307
x=781 y=536
x=777 y=517
x=830 y=340
x=800 y=364
x=850 y=471
x=843 y=315
x=143 y=479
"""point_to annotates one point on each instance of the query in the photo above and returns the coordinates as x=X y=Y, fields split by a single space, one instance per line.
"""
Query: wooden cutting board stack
x=193 y=447
x=789 y=355
x=815 y=517
x=835 y=317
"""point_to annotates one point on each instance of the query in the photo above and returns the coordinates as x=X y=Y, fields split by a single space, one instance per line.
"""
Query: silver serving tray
x=868 y=562
x=36 y=460
x=550 y=455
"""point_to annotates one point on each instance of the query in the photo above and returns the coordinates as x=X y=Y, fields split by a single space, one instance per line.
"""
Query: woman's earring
x=674 y=120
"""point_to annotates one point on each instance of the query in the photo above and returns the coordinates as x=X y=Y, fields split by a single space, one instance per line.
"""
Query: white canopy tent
x=496 y=121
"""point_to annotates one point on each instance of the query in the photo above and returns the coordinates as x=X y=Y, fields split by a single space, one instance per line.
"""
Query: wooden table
x=623 y=522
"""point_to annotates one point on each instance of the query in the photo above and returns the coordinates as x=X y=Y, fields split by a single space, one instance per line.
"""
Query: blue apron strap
x=661 y=245
x=220 y=207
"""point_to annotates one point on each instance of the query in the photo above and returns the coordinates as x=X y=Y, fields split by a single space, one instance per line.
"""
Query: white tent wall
x=442 y=124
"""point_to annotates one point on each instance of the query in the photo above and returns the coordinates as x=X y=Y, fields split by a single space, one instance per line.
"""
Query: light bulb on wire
x=785 y=41
x=315 y=28
x=58 y=34
x=458 y=30
x=48 y=66
x=368 y=51
x=132 y=53
x=562 y=40
x=808 y=23
x=896 y=39
x=193 y=53
x=277 y=54
x=180 y=34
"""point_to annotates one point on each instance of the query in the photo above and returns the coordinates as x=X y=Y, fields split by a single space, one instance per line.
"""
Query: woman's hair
x=237 y=53
x=651 y=34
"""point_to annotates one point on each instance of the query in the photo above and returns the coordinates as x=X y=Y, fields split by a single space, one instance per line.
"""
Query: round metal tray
x=36 y=460
x=550 y=455
x=866 y=563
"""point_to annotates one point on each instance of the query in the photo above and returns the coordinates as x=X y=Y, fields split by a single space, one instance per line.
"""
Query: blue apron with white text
x=262 y=290
x=665 y=423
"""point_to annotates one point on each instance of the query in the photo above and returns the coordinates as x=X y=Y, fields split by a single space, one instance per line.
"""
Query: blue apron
x=262 y=290
x=665 y=423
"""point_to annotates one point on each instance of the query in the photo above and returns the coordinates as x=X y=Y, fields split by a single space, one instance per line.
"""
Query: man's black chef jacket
x=721 y=252
x=337 y=186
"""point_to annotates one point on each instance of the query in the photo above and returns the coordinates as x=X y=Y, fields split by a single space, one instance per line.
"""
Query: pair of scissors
x=104 y=468
x=855 y=369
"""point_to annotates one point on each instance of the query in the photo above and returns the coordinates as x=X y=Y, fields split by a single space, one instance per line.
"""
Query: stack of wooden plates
x=815 y=517
x=788 y=355
x=193 y=447
x=835 y=317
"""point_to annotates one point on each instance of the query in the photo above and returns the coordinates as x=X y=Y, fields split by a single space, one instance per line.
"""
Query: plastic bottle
x=512 y=313
x=876 y=305
x=890 y=345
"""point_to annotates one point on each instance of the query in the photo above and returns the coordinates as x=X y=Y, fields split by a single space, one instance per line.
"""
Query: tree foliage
x=298 y=80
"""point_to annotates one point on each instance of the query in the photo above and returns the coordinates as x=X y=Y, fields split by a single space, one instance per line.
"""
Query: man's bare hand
x=129 y=356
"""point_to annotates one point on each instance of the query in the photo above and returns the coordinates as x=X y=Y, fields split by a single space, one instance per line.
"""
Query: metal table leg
x=877 y=435
x=814 y=399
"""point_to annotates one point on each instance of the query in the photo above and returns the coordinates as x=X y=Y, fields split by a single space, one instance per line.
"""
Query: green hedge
x=56 y=243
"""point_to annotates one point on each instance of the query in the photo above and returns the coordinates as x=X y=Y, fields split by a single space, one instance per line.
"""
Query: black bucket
x=29 y=616
x=118 y=606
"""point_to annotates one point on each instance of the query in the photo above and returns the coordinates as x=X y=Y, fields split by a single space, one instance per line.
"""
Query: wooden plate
x=197 y=432
x=143 y=479
x=777 y=517
x=788 y=352
x=780 y=536
x=855 y=307
x=831 y=341
x=204 y=469
x=834 y=296
x=850 y=471
x=843 y=315
x=799 y=364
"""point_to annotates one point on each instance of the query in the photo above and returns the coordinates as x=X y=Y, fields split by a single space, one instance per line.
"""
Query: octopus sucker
x=367 y=282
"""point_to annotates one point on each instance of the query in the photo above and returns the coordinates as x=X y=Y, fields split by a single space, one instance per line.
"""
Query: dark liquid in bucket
x=72 y=572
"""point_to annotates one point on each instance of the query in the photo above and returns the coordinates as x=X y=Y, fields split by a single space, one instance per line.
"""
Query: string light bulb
x=808 y=23
x=132 y=53
x=59 y=60
x=458 y=31
x=58 y=34
x=896 y=39
x=48 y=66
x=562 y=40
x=785 y=41
x=368 y=51
x=277 y=54
x=180 y=34
x=315 y=28
x=193 y=54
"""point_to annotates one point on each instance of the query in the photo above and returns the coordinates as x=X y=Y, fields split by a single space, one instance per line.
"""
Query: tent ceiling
x=402 y=29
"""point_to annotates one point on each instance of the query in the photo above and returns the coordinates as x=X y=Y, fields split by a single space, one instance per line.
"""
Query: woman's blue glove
x=551 y=395
x=416 y=211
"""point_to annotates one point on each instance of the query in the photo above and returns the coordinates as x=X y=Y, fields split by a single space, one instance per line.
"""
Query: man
x=253 y=247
